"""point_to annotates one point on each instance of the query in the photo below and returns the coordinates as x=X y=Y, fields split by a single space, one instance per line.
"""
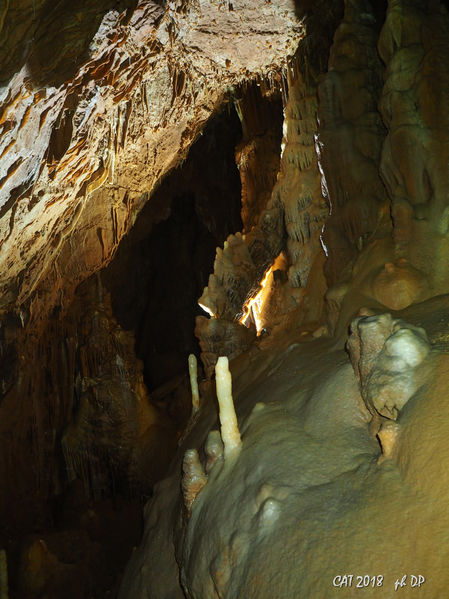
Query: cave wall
x=351 y=137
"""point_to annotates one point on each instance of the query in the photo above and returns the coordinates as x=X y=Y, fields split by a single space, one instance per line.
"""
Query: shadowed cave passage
x=163 y=264
x=136 y=321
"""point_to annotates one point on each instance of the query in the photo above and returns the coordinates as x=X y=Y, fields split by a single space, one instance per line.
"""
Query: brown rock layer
x=79 y=159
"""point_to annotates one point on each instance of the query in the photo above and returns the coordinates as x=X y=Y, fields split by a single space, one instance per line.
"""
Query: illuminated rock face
x=296 y=211
x=78 y=158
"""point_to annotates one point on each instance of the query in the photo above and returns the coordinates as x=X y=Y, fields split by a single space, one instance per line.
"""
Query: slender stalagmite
x=229 y=426
x=193 y=372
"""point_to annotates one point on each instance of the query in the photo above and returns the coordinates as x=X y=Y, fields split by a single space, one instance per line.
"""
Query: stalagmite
x=193 y=479
x=229 y=426
x=213 y=448
x=385 y=354
x=388 y=437
x=193 y=373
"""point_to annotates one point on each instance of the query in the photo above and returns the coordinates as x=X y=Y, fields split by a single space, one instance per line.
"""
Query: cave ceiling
x=98 y=102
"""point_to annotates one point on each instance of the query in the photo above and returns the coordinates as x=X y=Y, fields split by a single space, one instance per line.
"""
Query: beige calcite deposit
x=351 y=136
x=399 y=285
x=316 y=490
x=414 y=47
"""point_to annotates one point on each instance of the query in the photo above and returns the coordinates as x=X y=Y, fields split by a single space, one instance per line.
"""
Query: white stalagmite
x=230 y=433
x=193 y=372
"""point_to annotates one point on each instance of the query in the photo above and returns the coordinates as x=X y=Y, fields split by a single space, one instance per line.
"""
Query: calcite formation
x=399 y=285
x=225 y=445
x=385 y=354
x=218 y=336
x=305 y=209
x=97 y=104
x=230 y=433
x=193 y=372
x=340 y=437
x=322 y=470
x=258 y=154
x=414 y=46
x=193 y=479
x=296 y=210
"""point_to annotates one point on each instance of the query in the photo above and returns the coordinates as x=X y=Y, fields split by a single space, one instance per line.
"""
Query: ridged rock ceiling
x=82 y=147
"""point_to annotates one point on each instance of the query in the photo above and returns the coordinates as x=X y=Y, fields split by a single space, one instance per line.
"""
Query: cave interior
x=224 y=306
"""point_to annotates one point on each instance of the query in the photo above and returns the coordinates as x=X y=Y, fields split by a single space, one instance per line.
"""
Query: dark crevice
x=321 y=19
x=53 y=53
x=163 y=264
x=379 y=10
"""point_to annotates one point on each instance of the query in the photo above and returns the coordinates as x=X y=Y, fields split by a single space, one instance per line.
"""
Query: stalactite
x=299 y=187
